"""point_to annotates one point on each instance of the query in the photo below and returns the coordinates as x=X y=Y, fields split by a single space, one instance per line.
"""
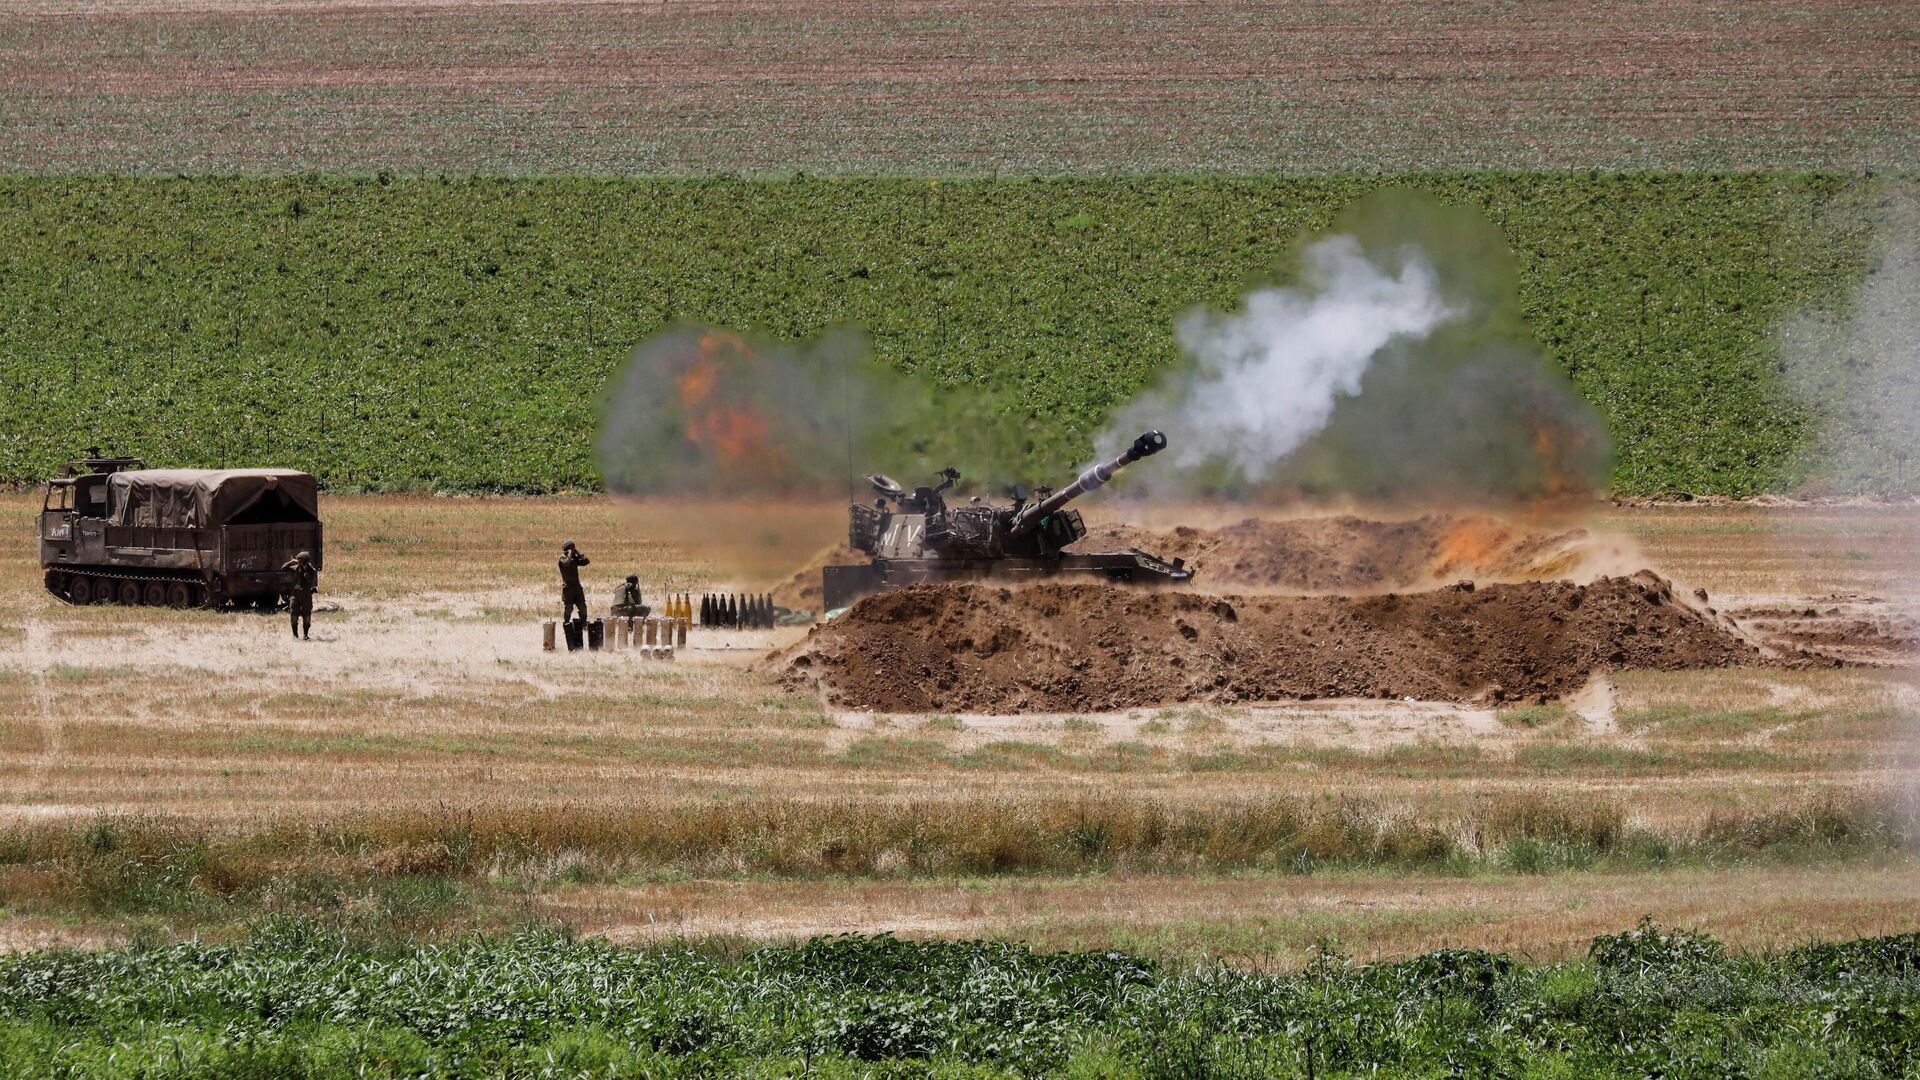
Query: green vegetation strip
x=459 y=334
x=423 y=869
x=291 y=1001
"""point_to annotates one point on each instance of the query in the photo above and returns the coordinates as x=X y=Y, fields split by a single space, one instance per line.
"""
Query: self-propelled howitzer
x=915 y=536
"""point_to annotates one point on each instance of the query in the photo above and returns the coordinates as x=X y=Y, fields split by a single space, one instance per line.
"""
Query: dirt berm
x=1322 y=554
x=1355 y=554
x=1061 y=648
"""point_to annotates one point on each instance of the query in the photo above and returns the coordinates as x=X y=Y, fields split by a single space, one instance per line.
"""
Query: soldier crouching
x=627 y=604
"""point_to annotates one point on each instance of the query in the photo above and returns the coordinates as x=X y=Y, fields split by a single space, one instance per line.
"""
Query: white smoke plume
x=1393 y=362
x=1266 y=378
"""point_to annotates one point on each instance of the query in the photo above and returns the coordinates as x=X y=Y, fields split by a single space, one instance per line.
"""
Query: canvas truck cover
x=200 y=498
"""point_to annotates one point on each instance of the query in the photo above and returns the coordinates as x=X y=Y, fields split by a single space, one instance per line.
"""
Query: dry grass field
x=949 y=87
x=421 y=764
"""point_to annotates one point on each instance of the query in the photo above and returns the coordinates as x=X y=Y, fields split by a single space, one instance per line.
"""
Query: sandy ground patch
x=1353 y=723
x=1371 y=917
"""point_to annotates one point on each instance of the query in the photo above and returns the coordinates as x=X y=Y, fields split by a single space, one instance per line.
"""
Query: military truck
x=114 y=531
x=914 y=536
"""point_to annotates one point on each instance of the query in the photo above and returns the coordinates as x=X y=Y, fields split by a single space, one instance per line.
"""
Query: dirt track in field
x=940 y=86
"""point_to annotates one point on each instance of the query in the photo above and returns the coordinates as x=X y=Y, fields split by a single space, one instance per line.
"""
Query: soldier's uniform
x=306 y=581
x=572 y=596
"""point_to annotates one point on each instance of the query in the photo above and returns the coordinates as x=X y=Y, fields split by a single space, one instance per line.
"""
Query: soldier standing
x=306 y=581
x=572 y=596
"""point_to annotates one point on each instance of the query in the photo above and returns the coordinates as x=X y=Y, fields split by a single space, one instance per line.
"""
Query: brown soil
x=947 y=87
x=1858 y=629
x=1352 y=554
x=1055 y=647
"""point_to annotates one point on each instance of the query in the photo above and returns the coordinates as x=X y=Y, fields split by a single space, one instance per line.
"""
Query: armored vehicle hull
x=915 y=537
x=112 y=531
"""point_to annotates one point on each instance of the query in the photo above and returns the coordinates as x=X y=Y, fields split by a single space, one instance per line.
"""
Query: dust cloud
x=746 y=451
x=1857 y=371
x=701 y=411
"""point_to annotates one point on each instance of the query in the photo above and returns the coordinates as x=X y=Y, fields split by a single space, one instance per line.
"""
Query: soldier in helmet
x=306 y=581
x=572 y=596
x=628 y=605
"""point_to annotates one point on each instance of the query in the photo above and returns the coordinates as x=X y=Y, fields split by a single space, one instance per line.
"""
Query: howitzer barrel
x=1095 y=476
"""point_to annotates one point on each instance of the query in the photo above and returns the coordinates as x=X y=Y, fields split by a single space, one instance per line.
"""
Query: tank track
x=59 y=582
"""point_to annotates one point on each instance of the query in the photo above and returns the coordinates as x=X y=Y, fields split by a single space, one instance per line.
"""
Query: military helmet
x=567 y=546
x=305 y=556
x=633 y=579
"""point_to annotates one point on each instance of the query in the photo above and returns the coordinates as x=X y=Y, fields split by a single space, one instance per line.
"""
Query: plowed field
x=950 y=86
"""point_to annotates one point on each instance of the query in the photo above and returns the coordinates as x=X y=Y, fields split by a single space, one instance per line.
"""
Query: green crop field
x=295 y=1002
x=460 y=334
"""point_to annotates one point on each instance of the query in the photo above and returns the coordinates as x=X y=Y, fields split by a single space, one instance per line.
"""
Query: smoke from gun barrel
x=1029 y=519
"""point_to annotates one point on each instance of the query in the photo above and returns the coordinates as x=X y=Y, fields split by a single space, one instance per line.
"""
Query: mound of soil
x=1353 y=554
x=1064 y=647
